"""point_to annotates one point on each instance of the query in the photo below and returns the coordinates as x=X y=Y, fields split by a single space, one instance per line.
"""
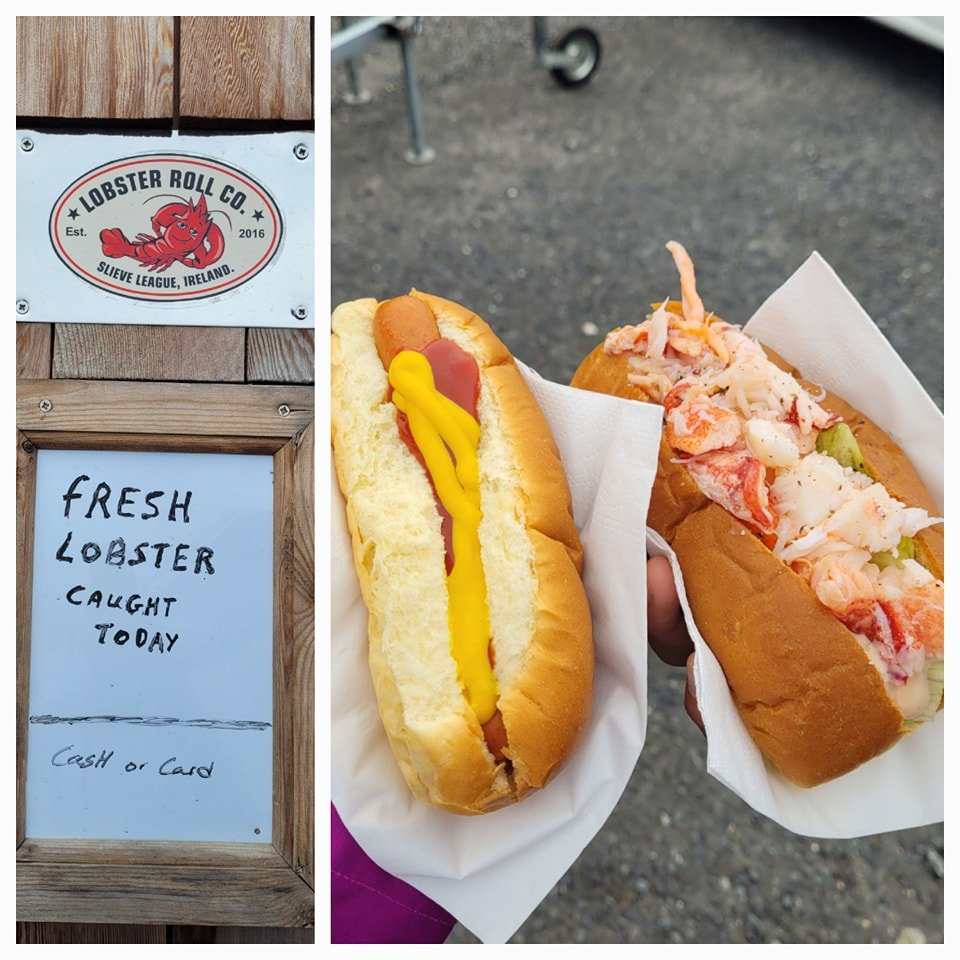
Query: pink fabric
x=368 y=905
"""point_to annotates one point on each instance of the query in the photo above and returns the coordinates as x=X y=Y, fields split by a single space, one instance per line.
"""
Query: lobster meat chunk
x=736 y=480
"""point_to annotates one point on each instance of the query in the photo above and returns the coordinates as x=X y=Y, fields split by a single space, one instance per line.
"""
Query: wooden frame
x=246 y=884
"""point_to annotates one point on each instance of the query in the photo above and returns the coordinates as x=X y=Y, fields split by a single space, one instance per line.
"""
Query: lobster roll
x=810 y=554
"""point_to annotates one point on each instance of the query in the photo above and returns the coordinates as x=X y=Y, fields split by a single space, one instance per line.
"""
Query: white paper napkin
x=492 y=871
x=815 y=323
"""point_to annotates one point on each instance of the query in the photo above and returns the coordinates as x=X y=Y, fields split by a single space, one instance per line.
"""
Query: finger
x=690 y=697
x=666 y=628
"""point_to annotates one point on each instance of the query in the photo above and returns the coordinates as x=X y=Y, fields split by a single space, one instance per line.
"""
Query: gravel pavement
x=753 y=142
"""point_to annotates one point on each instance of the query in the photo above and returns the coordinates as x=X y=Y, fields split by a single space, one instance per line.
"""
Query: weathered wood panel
x=293 y=774
x=250 y=68
x=90 y=933
x=171 y=442
x=25 y=494
x=95 y=67
x=34 y=350
x=94 y=351
x=148 y=853
x=302 y=580
x=234 y=896
x=186 y=934
x=279 y=356
x=110 y=406
x=264 y=935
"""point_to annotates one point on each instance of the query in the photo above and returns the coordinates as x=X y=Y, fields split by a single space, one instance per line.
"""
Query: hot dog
x=468 y=558
x=810 y=550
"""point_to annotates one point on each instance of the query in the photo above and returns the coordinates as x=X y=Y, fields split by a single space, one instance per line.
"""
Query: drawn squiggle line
x=49 y=719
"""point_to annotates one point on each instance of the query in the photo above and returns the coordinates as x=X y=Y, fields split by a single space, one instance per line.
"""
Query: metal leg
x=355 y=35
x=356 y=95
x=540 y=40
x=420 y=152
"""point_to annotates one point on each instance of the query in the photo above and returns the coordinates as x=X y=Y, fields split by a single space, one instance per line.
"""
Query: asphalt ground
x=753 y=141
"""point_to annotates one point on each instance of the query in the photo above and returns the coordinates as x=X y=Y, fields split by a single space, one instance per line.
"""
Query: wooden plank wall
x=250 y=68
x=102 y=67
x=159 y=69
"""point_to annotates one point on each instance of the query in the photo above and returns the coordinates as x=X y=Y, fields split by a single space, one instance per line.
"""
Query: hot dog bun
x=802 y=681
x=531 y=554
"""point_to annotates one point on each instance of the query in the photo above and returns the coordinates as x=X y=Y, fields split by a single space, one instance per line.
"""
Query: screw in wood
x=283 y=410
x=45 y=406
x=26 y=144
x=23 y=306
x=301 y=151
x=300 y=312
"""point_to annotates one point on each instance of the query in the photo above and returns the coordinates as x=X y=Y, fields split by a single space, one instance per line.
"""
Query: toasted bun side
x=604 y=373
x=804 y=687
x=398 y=550
x=802 y=682
x=544 y=665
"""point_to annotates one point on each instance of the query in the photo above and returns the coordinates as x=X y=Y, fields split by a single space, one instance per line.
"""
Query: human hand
x=667 y=631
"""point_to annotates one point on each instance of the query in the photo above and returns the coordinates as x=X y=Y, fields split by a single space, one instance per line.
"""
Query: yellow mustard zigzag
x=437 y=423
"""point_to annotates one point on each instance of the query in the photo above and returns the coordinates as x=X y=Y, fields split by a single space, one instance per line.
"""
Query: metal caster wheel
x=581 y=48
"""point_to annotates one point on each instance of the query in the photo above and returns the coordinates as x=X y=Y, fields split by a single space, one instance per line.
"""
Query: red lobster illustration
x=185 y=234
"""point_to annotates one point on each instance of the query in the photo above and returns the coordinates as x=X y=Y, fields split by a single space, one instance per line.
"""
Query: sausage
x=403 y=323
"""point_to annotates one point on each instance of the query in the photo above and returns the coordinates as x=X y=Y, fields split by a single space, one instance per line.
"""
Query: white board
x=158 y=727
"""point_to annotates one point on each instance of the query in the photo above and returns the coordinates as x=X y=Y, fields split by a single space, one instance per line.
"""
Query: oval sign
x=166 y=227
